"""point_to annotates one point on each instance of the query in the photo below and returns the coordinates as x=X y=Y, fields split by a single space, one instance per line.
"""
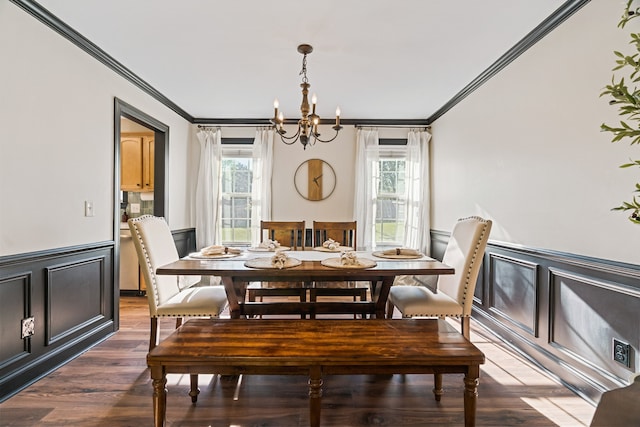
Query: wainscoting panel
x=561 y=311
x=69 y=293
x=75 y=297
x=185 y=240
x=584 y=330
x=18 y=290
x=514 y=292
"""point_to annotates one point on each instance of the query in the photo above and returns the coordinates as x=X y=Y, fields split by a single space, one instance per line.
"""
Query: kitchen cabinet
x=136 y=162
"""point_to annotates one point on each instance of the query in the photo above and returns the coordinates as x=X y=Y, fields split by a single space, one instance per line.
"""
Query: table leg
x=159 y=381
x=381 y=295
x=315 y=395
x=471 y=395
x=232 y=297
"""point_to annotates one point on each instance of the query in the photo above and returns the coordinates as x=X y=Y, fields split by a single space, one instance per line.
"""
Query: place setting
x=279 y=260
x=348 y=260
x=398 y=253
x=268 y=245
x=331 y=245
x=216 y=252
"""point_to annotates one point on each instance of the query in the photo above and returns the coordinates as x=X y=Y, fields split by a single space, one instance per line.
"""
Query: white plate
x=338 y=249
x=259 y=249
x=266 y=263
x=336 y=263
x=198 y=255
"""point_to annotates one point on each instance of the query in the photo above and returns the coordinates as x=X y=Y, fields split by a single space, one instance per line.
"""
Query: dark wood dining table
x=236 y=275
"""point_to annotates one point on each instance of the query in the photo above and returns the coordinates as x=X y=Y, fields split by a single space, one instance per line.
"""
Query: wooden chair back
x=287 y=233
x=344 y=232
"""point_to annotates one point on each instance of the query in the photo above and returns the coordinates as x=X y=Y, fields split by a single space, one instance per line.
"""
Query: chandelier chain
x=303 y=72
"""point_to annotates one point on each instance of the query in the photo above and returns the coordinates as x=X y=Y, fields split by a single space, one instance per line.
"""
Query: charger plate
x=381 y=254
x=338 y=249
x=259 y=249
x=199 y=255
x=266 y=263
x=362 y=263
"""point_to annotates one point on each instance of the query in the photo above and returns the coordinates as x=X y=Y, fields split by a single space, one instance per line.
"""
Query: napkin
x=272 y=245
x=279 y=260
x=401 y=251
x=331 y=244
x=219 y=250
x=349 y=258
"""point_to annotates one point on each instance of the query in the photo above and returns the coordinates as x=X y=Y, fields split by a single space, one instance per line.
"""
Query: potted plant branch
x=626 y=96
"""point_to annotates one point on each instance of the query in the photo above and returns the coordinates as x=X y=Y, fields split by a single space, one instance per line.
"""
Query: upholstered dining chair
x=170 y=296
x=345 y=233
x=287 y=233
x=453 y=296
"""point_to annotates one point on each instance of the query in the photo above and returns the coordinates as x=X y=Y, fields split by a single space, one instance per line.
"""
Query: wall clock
x=315 y=179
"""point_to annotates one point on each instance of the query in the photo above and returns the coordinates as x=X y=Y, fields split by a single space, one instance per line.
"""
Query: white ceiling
x=376 y=59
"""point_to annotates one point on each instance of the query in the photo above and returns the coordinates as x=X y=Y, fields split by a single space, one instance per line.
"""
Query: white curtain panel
x=366 y=186
x=261 y=184
x=207 y=198
x=418 y=221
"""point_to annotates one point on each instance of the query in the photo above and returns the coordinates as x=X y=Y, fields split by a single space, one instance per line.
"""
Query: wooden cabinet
x=136 y=162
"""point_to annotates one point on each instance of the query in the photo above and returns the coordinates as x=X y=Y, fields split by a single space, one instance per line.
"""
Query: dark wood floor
x=110 y=386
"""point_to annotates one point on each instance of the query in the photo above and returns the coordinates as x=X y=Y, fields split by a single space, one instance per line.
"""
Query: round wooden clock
x=315 y=179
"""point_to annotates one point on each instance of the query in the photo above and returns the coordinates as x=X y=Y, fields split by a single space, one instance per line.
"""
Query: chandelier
x=307 y=131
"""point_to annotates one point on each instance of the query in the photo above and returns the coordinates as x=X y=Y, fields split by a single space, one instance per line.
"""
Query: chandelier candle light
x=308 y=125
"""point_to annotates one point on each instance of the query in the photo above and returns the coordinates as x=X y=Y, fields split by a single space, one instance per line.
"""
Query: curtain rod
x=231 y=126
x=394 y=126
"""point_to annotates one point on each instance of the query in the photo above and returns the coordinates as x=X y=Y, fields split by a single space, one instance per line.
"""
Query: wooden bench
x=315 y=348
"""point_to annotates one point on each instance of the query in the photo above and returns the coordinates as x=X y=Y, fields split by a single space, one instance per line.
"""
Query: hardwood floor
x=110 y=385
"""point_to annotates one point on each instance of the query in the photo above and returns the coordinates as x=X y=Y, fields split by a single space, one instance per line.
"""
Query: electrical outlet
x=28 y=327
x=622 y=352
x=135 y=207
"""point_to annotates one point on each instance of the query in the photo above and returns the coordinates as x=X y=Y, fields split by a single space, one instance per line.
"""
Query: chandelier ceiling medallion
x=307 y=131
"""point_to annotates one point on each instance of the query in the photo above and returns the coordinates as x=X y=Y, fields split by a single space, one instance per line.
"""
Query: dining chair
x=287 y=233
x=170 y=296
x=453 y=296
x=345 y=233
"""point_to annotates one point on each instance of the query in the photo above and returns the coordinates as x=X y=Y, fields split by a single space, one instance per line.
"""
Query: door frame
x=160 y=184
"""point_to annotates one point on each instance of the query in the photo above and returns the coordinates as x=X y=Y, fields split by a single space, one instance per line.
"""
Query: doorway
x=129 y=118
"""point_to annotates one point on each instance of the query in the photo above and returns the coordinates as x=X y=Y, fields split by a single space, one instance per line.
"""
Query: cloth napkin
x=279 y=260
x=349 y=258
x=401 y=251
x=272 y=245
x=219 y=250
x=331 y=244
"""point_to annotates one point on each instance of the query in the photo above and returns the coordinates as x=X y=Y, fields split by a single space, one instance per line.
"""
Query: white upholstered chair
x=170 y=296
x=454 y=294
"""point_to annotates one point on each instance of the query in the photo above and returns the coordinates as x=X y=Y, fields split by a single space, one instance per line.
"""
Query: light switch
x=135 y=207
x=88 y=208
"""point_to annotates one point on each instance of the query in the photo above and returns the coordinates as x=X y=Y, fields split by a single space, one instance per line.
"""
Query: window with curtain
x=391 y=202
x=236 y=200
x=390 y=211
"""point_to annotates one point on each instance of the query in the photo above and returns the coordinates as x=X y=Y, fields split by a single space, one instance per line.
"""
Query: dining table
x=238 y=268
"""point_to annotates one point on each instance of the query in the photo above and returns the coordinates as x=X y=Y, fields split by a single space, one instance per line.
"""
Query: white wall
x=525 y=149
x=56 y=140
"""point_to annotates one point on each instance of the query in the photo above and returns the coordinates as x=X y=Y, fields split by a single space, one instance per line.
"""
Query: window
x=391 y=201
x=237 y=177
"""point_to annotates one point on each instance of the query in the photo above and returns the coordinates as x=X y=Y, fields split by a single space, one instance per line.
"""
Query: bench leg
x=471 y=395
x=195 y=391
x=159 y=395
x=437 y=386
x=315 y=395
